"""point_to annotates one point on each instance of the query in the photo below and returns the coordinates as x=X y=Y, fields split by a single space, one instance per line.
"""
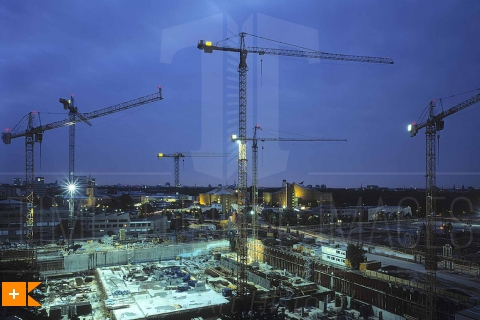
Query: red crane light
x=7 y=129
x=159 y=87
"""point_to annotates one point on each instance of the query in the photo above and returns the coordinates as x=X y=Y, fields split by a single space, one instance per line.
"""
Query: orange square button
x=14 y=294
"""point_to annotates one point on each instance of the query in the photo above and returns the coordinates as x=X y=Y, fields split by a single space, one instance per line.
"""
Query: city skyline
x=169 y=184
x=54 y=50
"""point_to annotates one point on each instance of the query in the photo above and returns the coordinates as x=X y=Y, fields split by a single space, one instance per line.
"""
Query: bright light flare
x=71 y=187
x=409 y=128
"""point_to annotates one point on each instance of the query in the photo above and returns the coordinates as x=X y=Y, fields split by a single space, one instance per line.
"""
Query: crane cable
x=438 y=148
x=422 y=116
x=261 y=73
x=295 y=134
x=281 y=42
x=40 y=122
x=226 y=39
x=458 y=94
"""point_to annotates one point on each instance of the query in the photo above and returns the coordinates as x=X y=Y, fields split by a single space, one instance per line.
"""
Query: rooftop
x=472 y=313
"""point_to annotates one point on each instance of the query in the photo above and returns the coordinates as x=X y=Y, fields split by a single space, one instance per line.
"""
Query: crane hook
x=262 y=155
x=438 y=147
x=261 y=73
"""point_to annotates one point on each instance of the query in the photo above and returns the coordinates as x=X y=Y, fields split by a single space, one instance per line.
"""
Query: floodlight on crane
x=243 y=50
x=432 y=125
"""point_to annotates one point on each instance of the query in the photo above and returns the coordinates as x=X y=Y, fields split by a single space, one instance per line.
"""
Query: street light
x=72 y=187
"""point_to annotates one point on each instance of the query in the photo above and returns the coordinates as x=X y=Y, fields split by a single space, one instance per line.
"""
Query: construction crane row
x=34 y=134
x=434 y=123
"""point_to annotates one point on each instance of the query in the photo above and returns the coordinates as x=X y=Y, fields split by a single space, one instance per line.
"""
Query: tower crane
x=176 y=159
x=433 y=124
x=243 y=50
x=73 y=114
x=255 y=139
x=35 y=134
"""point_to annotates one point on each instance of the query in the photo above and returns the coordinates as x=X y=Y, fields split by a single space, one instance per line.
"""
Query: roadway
x=420 y=268
x=472 y=283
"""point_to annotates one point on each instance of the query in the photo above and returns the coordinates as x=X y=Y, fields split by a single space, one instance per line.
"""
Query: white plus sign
x=14 y=294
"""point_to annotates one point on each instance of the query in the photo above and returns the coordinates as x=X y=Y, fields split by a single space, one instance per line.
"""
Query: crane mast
x=255 y=139
x=433 y=124
x=430 y=207
x=29 y=180
x=35 y=134
x=243 y=50
x=242 y=253
x=255 y=220
x=72 y=114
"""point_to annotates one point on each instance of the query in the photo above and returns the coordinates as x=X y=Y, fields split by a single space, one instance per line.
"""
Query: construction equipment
x=433 y=124
x=73 y=114
x=255 y=139
x=243 y=50
x=176 y=159
x=35 y=134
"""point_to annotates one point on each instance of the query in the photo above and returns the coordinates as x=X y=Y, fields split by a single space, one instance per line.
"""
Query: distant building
x=221 y=198
x=39 y=186
x=17 y=182
x=7 y=191
x=336 y=254
x=362 y=213
x=293 y=194
x=13 y=226
x=389 y=213
x=102 y=224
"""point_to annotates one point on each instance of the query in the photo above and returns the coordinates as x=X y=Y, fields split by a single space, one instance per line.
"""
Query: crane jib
x=8 y=136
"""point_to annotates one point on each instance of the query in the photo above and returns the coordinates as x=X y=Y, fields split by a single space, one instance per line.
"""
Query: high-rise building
x=39 y=186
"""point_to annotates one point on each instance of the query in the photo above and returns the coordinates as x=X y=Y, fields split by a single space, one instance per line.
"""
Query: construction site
x=253 y=269
x=289 y=277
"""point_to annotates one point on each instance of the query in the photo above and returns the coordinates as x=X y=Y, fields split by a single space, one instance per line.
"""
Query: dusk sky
x=107 y=52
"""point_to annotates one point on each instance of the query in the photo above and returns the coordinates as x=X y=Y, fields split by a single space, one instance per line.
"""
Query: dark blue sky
x=107 y=52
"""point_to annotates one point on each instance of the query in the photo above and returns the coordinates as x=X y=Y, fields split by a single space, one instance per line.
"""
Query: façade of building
x=220 y=198
x=112 y=223
x=361 y=213
x=47 y=222
x=13 y=222
x=292 y=195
